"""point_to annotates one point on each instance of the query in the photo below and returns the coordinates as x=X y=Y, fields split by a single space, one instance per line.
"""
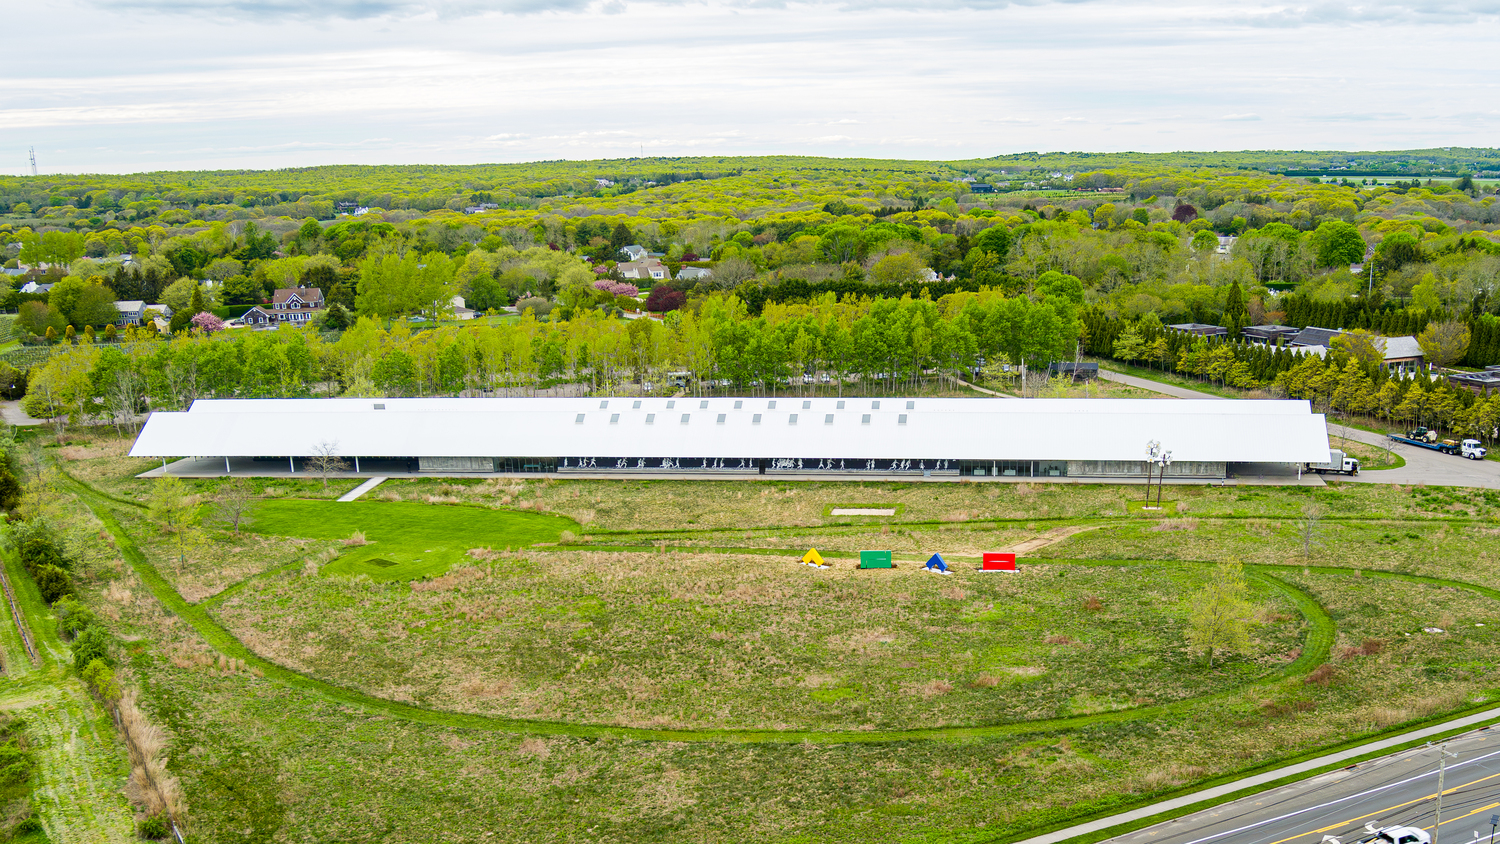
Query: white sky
x=137 y=85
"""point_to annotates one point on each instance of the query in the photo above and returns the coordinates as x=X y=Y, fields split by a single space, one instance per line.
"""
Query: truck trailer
x=1425 y=438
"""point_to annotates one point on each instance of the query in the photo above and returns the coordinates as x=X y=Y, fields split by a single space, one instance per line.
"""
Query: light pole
x=1164 y=460
x=1494 y=822
x=1153 y=450
x=1437 y=819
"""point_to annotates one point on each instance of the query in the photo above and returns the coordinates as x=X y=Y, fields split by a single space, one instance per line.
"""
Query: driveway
x=1422 y=465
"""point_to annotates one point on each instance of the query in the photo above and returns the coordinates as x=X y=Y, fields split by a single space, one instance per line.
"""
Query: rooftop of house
x=305 y=294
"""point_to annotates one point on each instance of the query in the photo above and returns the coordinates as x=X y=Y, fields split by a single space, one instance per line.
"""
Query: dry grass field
x=680 y=605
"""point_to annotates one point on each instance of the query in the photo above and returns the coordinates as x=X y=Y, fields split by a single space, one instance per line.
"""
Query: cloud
x=1240 y=117
x=1358 y=117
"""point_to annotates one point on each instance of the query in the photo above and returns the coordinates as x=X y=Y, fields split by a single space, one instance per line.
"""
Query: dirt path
x=1051 y=537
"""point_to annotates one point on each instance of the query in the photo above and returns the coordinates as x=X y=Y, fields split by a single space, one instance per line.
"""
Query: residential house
x=459 y=311
x=694 y=273
x=635 y=252
x=1200 y=329
x=35 y=287
x=645 y=269
x=1075 y=371
x=1482 y=383
x=1271 y=335
x=1403 y=356
x=1314 y=336
x=293 y=305
x=979 y=187
x=134 y=311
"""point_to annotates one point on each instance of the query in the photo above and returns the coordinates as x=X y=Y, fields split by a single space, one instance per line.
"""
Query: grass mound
x=405 y=540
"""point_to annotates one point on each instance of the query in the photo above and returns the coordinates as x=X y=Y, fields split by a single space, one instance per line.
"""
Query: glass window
x=579 y=420
x=738 y=405
x=651 y=419
x=807 y=405
x=911 y=405
x=635 y=405
x=840 y=406
x=865 y=419
x=685 y=418
x=792 y=420
x=901 y=420
x=771 y=406
x=380 y=407
x=604 y=405
x=874 y=405
x=755 y=420
x=828 y=419
x=703 y=405
x=614 y=419
x=721 y=419
x=671 y=404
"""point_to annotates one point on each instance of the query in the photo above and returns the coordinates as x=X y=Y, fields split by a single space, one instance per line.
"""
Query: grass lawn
x=405 y=541
x=682 y=606
x=1371 y=458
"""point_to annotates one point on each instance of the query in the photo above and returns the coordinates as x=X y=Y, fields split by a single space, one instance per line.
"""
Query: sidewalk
x=1209 y=795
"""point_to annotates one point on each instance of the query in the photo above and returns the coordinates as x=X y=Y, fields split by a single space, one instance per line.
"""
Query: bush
x=53 y=583
x=93 y=643
x=101 y=680
x=39 y=548
x=28 y=826
x=72 y=617
x=153 y=828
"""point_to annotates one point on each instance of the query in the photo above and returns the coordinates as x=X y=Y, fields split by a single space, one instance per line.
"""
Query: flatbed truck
x=1425 y=438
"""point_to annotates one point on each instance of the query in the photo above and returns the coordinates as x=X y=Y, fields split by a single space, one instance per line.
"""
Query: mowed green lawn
x=406 y=540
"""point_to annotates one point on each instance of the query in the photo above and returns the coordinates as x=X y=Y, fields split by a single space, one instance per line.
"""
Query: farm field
x=647 y=661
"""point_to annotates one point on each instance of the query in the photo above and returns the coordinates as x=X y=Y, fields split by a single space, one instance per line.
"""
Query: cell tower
x=33 y=161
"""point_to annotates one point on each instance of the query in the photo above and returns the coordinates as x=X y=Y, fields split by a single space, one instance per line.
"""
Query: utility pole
x=1437 y=819
x=33 y=161
x=1163 y=461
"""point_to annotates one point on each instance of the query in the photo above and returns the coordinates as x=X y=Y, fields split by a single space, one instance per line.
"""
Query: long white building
x=1095 y=438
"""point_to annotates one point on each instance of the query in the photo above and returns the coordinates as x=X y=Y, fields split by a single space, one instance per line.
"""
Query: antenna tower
x=33 y=161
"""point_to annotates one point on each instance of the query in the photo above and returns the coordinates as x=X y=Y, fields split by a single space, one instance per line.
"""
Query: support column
x=226 y=465
x=292 y=462
x=356 y=465
x=164 y=462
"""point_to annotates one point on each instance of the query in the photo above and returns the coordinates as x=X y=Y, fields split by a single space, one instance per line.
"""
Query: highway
x=1396 y=790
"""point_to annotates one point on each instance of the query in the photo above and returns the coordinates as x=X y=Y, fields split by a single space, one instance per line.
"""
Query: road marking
x=1292 y=814
x=1351 y=821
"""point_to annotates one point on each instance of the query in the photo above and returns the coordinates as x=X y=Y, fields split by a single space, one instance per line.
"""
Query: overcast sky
x=131 y=85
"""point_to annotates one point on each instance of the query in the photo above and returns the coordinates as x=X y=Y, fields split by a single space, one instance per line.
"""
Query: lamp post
x=1153 y=450
x=1163 y=460
x=1494 y=822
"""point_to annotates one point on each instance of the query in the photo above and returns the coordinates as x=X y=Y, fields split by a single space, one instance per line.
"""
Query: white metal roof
x=955 y=429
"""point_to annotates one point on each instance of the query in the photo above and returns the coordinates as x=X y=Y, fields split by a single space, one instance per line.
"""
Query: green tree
x=1444 y=343
x=1221 y=614
x=1128 y=345
x=1397 y=250
x=1338 y=243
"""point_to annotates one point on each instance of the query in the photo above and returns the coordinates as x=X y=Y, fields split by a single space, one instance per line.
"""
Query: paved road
x=1155 y=386
x=1395 y=790
x=1422 y=465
